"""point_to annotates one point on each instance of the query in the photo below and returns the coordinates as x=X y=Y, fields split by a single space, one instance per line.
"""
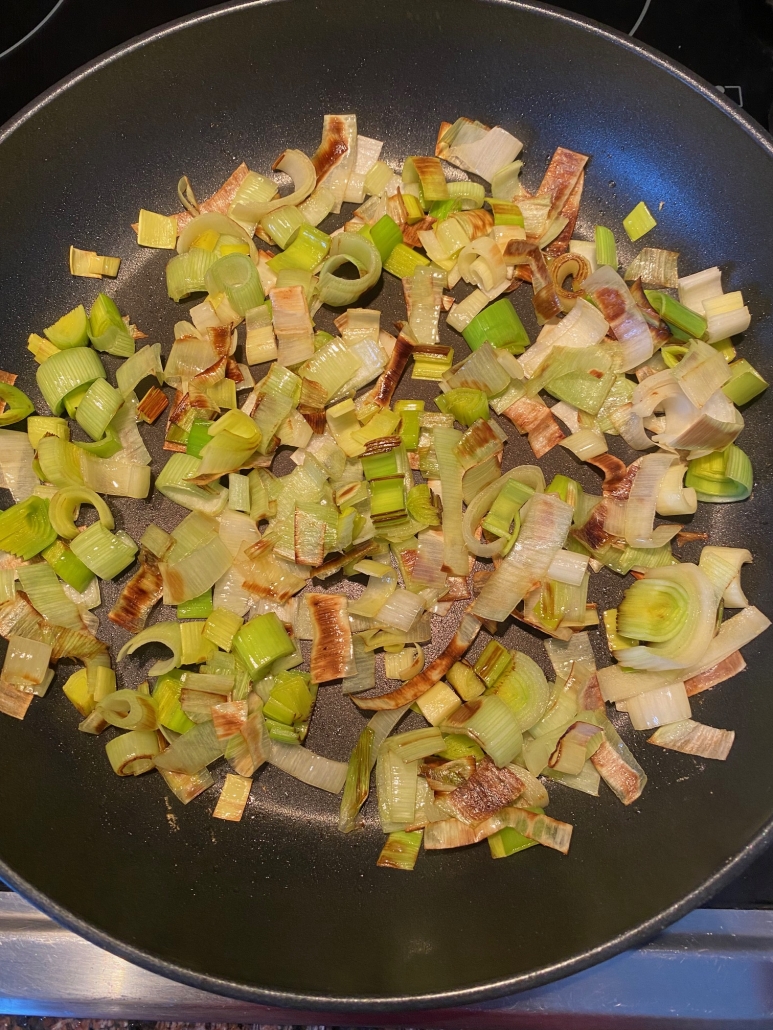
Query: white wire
x=640 y=19
x=32 y=32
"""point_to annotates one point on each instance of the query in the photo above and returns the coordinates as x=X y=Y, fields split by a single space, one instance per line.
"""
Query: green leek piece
x=166 y=695
x=260 y=642
x=96 y=409
x=290 y=700
x=726 y=349
x=505 y=212
x=401 y=850
x=719 y=477
x=678 y=335
x=321 y=338
x=499 y=325
x=673 y=354
x=745 y=383
x=198 y=438
x=357 y=786
x=504 y=511
x=403 y=261
x=223 y=394
x=19 y=405
x=581 y=389
x=73 y=399
x=465 y=681
x=471 y=194
x=493 y=662
x=385 y=235
x=197 y=608
x=428 y=173
x=67 y=566
x=606 y=251
x=570 y=492
x=524 y=689
x=440 y=209
x=413 y=209
x=221 y=627
x=507 y=841
x=420 y=505
x=458 y=745
x=378 y=466
x=154 y=230
x=236 y=276
x=431 y=367
x=25 y=529
x=185 y=272
x=71 y=330
x=638 y=222
x=107 y=330
x=387 y=499
x=490 y=722
x=282 y=733
x=676 y=314
x=67 y=371
x=654 y=610
x=282 y=224
x=465 y=404
x=106 y=554
x=410 y=414
x=308 y=250
x=109 y=445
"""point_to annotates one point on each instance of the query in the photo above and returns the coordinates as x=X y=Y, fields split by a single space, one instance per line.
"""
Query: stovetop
x=730 y=44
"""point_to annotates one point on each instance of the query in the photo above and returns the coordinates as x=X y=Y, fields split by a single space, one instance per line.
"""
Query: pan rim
x=300 y=1002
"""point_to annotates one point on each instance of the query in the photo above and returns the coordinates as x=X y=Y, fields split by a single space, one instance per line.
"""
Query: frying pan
x=281 y=908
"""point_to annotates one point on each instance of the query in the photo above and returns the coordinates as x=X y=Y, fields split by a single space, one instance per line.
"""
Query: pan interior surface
x=281 y=907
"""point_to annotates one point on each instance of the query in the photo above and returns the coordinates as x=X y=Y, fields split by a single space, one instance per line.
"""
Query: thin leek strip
x=545 y=524
x=145 y=362
x=455 y=557
x=129 y=710
x=192 y=752
x=167 y=633
x=308 y=767
x=693 y=738
x=606 y=250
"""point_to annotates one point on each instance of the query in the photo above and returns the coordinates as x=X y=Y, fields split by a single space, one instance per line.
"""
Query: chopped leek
x=721 y=477
x=638 y=222
x=499 y=325
x=606 y=250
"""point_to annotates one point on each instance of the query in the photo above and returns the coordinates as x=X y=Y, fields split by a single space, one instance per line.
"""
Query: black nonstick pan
x=281 y=908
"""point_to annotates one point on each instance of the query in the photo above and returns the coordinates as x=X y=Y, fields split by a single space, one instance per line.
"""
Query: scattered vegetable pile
x=646 y=356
